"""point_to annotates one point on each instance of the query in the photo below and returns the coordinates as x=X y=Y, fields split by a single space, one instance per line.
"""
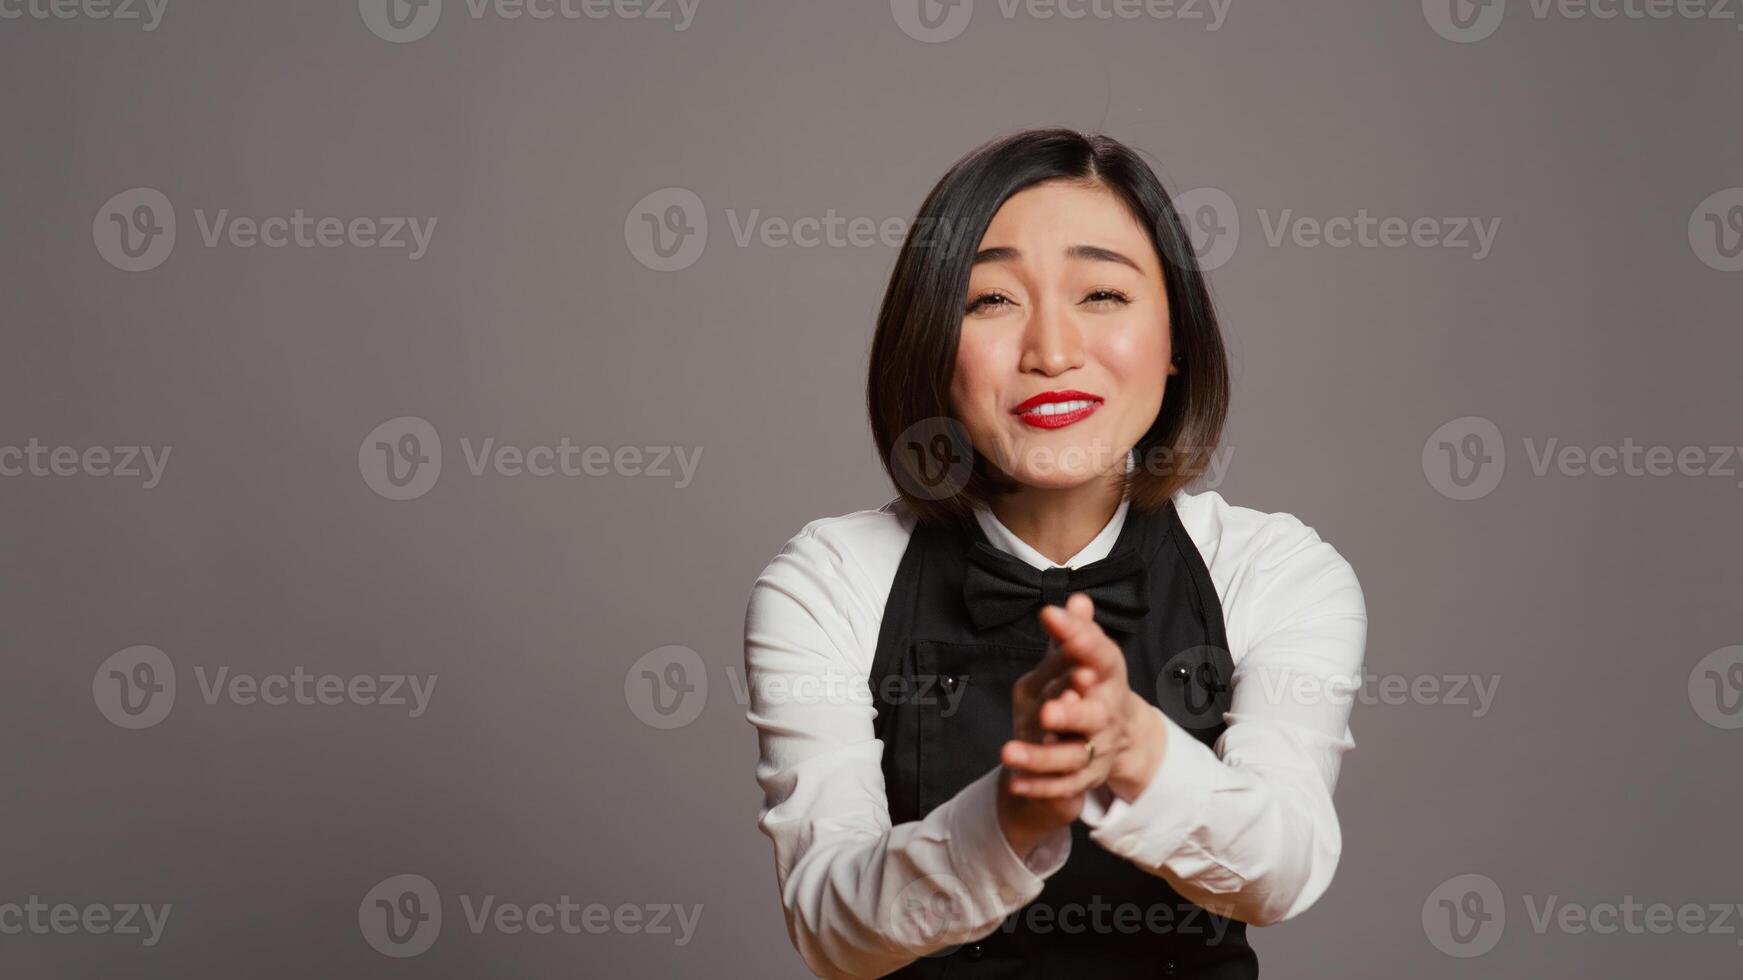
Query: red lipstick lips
x=1057 y=409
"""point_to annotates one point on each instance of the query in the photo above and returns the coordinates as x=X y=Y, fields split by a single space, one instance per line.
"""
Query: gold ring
x=1089 y=743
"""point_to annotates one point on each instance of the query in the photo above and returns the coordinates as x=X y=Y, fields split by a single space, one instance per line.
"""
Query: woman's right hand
x=1027 y=821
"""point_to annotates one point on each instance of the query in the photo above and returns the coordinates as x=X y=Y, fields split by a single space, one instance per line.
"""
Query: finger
x=1057 y=787
x=1082 y=640
x=1052 y=665
x=1059 y=758
x=1058 y=687
x=1079 y=716
x=1081 y=604
x=1028 y=720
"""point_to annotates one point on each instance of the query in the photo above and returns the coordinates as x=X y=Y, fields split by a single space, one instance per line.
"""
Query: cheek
x=1137 y=358
x=973 y=387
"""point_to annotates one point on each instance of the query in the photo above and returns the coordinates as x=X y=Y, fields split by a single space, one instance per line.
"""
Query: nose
x=1052 y=342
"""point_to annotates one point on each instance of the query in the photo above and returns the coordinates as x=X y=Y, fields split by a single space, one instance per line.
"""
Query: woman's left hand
x=1093 y=701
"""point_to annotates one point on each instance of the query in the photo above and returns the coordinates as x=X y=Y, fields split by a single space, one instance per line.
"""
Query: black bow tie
x=1000 y=588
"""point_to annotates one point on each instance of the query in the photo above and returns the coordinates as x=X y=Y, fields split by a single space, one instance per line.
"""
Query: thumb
x=1080 y=604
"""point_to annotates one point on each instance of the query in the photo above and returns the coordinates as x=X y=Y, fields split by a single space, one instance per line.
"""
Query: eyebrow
x=1094 y=253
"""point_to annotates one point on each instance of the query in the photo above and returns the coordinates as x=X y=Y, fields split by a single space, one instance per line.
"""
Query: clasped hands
x=1078 y=694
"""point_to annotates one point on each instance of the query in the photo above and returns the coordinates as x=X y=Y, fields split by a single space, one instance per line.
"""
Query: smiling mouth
x=1056 y=409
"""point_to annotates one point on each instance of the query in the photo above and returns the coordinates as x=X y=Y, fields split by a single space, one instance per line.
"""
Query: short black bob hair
x=913 y=353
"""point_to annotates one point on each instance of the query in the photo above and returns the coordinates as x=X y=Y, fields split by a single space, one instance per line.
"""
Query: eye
x=985 y=300
x=1108 y=296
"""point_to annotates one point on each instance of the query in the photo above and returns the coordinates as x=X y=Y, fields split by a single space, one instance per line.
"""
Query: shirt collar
x=1004 y=539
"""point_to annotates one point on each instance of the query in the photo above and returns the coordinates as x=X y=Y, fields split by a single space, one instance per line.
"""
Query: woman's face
x=1065 y=343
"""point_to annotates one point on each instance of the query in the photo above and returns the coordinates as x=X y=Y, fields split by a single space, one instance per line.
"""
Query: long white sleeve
x=861 y=897
x=1249 y=830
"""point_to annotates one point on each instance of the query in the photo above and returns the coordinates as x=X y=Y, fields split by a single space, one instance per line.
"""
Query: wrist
x=1132 y=772
x=1018 y=833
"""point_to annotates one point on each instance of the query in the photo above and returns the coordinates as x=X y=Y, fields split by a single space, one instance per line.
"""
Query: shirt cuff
x=1159 y=822
x=979 y=847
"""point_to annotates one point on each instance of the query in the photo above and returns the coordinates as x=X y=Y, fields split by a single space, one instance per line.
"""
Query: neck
x=1058 y=523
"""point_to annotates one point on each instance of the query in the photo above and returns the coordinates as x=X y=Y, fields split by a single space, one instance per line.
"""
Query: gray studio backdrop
x=397 y=402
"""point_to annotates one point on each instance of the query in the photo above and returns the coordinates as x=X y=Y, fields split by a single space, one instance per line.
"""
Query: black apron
x=942 y=691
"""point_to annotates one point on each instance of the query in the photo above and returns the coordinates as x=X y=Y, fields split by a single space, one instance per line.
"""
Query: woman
x=1046 y=710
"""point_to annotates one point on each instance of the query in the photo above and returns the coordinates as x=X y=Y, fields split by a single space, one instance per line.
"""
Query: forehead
x=1058 y=214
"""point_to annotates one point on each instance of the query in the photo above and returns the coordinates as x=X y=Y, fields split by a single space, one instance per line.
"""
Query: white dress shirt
x=1247 y=829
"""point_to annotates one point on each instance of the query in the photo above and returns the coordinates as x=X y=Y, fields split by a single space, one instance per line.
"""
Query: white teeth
x=1059 y=408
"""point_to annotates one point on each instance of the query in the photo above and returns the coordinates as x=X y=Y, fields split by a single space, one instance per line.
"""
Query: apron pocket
x=961 y=693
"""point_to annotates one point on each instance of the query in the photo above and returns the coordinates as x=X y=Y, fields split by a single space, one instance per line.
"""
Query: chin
x=1057 y=463
x=1055 y=479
